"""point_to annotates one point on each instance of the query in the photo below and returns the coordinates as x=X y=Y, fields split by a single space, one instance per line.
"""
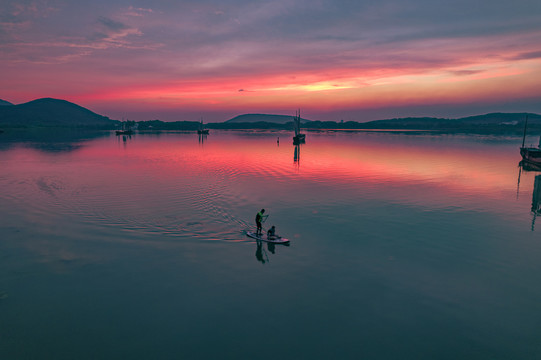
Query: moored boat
x=202 y=130
x=299 y=137
x=124 y=132
x=530 y=154
x=127 y=127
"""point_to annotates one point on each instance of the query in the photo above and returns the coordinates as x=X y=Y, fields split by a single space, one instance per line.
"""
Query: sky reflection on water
x=403 y=246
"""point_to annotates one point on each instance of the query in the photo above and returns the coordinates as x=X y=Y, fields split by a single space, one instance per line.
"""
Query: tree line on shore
x=54 y=113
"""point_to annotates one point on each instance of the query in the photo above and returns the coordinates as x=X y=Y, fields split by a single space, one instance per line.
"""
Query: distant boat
x=202 y=130
x=124 y=132
x=126 y=129
x=299 y=137
x=530 y=155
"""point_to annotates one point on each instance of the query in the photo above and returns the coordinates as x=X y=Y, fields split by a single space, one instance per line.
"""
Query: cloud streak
x=319 y=55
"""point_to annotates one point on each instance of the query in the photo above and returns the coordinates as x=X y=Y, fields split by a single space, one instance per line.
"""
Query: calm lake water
x=403 y=246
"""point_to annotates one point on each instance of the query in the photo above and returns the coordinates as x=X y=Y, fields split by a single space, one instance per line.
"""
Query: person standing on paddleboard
x=258 y=219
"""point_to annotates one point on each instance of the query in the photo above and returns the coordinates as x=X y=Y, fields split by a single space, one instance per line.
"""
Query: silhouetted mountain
x=4 y=102
x=255 y=118
x=502 y=118
x=475 y=122
x=492 y=120
x=497 y=123
x=51 y=113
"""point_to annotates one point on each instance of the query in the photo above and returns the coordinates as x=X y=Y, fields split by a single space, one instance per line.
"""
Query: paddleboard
x=263 y=237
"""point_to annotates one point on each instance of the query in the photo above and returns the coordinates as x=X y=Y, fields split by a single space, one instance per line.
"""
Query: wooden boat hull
x=531 y=155
x=124 y=132
x=299 y=139
x=529 y=166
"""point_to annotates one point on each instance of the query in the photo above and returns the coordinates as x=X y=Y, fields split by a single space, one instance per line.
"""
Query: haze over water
x=403 y=246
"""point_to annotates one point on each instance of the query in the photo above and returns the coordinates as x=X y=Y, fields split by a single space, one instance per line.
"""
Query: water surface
x=403 y=246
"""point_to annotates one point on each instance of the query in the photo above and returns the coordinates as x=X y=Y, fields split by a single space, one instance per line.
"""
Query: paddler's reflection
x=260 y=253
x=271 y=247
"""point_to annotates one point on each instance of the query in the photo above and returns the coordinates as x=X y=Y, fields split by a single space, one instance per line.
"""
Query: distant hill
x=478 y=121
x=496 y=123
x=502 y=118
x=50 y=113
x=254 y=118
x=492 y=119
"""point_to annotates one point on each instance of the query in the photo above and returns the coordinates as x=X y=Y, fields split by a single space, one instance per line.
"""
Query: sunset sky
x=352 y=60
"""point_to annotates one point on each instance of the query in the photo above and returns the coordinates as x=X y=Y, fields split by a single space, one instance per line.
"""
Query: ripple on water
x=196 y=209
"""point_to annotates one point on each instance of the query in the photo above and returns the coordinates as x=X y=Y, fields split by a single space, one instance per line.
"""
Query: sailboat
x=126 y=129
x=530 y=154
x=202 y=130
x=299 y=137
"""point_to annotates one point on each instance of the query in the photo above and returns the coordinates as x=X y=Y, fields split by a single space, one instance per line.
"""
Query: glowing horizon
x=336 y=61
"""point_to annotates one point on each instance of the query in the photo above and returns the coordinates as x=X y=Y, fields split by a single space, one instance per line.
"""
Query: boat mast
x=297 y=126
x=525 y=125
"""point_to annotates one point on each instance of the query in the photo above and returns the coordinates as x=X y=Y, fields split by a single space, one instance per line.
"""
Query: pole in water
x=524 y=136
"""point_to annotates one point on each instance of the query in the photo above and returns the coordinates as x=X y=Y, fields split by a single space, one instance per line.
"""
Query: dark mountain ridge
x=495 y=121
x=424 y=122
x=50 y=112
x=266 y=118
x=502 y=118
